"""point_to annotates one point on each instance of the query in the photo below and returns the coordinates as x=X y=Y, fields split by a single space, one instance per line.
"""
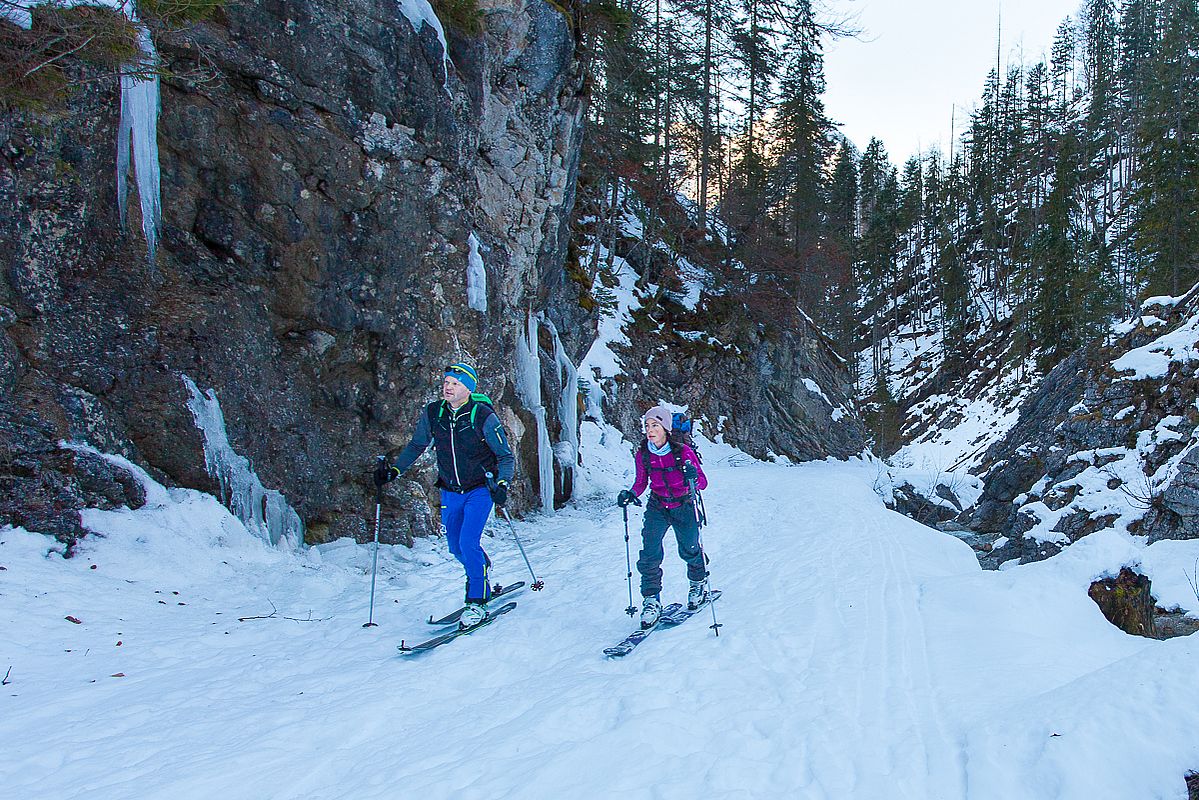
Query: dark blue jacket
x=469 y=441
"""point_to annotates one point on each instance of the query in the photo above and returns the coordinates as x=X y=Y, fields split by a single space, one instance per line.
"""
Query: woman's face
x=655 y=432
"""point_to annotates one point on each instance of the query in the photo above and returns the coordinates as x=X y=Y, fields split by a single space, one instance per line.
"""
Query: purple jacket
x=665 y=480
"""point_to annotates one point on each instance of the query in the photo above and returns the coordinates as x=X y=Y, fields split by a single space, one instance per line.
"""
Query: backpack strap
x=677 y=451
x=437 y=409
x=480 y=401
x=478 y=420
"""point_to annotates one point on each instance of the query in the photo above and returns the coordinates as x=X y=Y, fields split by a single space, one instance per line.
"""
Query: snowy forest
x=806 y=472
x=1068 y=196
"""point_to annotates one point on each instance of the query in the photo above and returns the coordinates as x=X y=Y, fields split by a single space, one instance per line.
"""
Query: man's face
x=454 y=392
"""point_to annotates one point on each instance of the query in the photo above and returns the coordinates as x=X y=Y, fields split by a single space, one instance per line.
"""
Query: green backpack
x=480 y=401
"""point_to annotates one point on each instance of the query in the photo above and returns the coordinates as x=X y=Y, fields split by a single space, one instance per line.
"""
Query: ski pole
x=538 y=584
x=701 y=519
x=370 y=623
x=628 y=560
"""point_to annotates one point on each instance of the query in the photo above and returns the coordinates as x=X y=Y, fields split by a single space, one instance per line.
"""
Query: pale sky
x=918 y=59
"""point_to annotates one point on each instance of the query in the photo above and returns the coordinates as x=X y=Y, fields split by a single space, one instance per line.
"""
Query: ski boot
x=651 y=611
x=472 y=615
x=697 y=595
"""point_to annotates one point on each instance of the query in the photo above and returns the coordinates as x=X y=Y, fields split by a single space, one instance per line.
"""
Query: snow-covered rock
x=1107 y=441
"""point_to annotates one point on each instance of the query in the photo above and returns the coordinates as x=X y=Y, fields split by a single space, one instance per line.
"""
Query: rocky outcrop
x=323 y=172
x=1107 y=440
x=1127 y=602
x=771 y=389
x=912 y=502
x=44 y=484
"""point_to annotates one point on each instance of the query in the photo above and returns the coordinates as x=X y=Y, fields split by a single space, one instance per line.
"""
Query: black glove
x=625 y=497
x=499 y=493
x=689 y=471
x=384 y=472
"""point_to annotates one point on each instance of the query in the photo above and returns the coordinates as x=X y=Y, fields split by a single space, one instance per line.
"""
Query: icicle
x=139 y=128
x=265 y=512
x=139 y=113
x=593 y=397
x=476 y=277
x=528 y=390
x=568 y=402
x=419 y=13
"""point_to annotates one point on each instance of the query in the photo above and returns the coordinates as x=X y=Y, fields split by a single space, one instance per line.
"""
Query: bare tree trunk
x=657 y=86
x=612 y=206
x=666 y=122
x=753 y=79
x=706 y=121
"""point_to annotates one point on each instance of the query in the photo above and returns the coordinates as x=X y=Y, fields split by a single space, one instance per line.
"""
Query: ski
x=683 y=614
x=445 y=638
x=452 y=617
x=624 y=647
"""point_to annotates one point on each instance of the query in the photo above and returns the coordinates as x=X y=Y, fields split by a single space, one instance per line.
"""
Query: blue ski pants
x=463 y=517
x=653 y=531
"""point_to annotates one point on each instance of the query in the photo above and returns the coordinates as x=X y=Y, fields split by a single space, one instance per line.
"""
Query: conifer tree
x=1166 y=226
x=1061 y=65
x=883 y=416
x=953 y=273
x=1099 y=154
x=1053 y=304
x=801 y=128
x=1100 y=51
x=842 y=211
x=1137 y=44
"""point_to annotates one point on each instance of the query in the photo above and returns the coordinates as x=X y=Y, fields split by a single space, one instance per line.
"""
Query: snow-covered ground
x=862 y=656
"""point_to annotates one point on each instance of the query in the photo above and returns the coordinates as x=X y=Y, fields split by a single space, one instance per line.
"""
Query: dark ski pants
x=653 y=531
x=463 y=517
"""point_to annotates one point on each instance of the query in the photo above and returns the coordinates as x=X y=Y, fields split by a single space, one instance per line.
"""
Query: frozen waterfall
x=528 y=390
x=265 y=512
x=568 y=402
x=476 y=276
x=139 y=129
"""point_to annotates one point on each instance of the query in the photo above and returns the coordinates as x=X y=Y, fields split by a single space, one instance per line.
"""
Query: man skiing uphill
x=470 y=443
x=666 y=467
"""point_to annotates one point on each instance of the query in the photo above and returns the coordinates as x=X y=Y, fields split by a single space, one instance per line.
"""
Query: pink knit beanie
x=662 y=415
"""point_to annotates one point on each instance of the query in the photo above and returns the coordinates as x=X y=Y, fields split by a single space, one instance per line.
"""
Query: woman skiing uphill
x=470 y=443
x=666 y=467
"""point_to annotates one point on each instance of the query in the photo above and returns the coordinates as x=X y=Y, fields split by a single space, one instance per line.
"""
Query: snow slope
x=863 y=656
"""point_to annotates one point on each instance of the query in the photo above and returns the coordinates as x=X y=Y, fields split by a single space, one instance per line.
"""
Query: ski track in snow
x=892 y=674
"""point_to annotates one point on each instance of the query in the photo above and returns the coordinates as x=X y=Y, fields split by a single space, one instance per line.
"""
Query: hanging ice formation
x=419 y=13
x=567 y=448
x=476 y=276
x=528 y=390
x=139 y=112
x=139 y=129
x=264 y=512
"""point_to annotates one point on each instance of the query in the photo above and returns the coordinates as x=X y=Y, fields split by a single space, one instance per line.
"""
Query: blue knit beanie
x=463 y=373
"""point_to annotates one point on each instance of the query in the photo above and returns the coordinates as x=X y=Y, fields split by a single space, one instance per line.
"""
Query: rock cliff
x=347 y=207
x=326 y=175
